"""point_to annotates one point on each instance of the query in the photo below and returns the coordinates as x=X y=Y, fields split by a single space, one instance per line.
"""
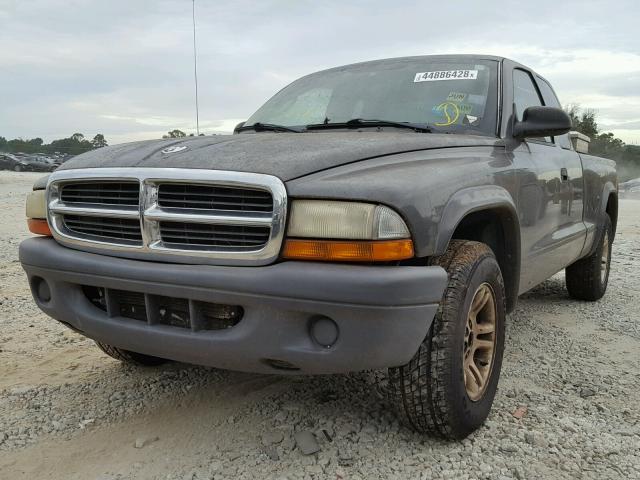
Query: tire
x=432 y=391
x=587 y=279
x=133 y=358
x=17 y=168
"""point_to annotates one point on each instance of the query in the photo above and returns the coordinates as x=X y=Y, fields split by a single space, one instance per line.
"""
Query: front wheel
x=448 y=387
x=17 y=168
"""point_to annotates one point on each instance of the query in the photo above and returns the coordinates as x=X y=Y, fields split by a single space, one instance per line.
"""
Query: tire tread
x=126 y=356
x=421 y=385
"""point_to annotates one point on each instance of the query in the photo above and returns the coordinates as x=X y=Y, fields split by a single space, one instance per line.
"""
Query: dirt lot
x=69 y=412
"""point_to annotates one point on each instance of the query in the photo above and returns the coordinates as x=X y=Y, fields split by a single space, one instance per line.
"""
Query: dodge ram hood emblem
x=174 y=149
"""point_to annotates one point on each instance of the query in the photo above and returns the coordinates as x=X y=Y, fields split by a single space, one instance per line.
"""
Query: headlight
x=37 y=204
x=37 y=213
x=346 y=231
x=345 y=220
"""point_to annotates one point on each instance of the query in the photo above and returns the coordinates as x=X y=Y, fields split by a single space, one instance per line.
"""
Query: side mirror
x=235 y=130
x=542 y=122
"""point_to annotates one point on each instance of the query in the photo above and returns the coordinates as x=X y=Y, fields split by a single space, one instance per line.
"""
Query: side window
x=525 y=94
x=551 y=100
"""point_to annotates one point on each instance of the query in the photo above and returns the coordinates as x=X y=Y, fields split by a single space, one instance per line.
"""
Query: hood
x=285 y=155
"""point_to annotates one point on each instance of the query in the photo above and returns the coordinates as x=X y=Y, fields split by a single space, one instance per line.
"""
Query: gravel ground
x=67 y=411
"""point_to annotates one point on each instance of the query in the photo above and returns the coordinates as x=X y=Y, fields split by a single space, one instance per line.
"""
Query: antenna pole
x=195 y=65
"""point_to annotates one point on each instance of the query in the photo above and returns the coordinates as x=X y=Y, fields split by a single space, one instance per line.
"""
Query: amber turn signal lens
x=338 y=251
x=39 y=226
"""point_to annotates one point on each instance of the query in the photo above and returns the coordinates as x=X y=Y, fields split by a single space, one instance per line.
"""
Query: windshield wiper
x=361 y=122
x=264 y=127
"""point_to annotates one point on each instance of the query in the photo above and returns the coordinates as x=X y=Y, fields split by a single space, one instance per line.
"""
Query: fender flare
x=607 y=189
x=475 y=199
x=470 y=200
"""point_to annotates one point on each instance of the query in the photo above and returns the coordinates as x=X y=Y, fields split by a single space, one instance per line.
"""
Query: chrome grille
x=169 y=214
x=208 y=197
x=222 y=236
x=101 y=193
x=104 y=228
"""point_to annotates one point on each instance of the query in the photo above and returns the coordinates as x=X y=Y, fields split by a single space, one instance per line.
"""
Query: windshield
x=451 y=96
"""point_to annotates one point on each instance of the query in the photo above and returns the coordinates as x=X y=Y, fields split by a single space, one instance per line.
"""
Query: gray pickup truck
x=379 y=216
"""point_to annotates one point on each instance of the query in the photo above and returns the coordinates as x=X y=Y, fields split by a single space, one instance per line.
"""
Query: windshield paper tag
x=446 y=75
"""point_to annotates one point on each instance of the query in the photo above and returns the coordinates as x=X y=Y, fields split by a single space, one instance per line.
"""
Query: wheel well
x=612 y=211
x=497 y=228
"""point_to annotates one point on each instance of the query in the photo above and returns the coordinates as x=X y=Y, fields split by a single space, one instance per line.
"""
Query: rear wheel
x=127 y=356
x=587 y=279
x=448 y=387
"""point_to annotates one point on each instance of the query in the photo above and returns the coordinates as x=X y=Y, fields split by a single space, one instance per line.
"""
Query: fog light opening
x=324 y=331
x=41 y=289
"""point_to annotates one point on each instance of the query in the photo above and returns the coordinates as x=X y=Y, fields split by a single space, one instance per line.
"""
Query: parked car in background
x=39 y=163
x=630 y=187
x=9 y=161
x=27 y=163
x=51 y=161
x=60 y=158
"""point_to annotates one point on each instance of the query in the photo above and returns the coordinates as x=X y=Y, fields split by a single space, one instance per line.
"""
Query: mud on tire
x=432 y=391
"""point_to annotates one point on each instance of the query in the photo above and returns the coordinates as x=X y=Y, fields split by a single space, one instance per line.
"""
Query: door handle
x=564 y=175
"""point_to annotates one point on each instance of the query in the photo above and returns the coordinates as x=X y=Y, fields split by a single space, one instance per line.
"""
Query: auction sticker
x=446 y=75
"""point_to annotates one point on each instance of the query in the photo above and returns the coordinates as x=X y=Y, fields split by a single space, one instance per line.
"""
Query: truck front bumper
x=295 y=317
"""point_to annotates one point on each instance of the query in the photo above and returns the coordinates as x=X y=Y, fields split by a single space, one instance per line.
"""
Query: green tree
x=588 y=124
x=99 y=141
x=573 y=110
x=74 y=145
x=605 y=144
x=583 y=122
x=32 y=145
x=175 y=133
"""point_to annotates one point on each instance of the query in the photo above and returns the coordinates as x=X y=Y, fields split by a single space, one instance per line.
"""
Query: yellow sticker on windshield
x=450 y=111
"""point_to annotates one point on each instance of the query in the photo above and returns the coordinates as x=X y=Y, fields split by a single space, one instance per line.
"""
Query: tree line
x=175 y=133
x=74 y=145
x=605 y=144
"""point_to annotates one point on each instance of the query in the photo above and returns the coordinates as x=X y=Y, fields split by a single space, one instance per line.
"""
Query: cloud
x=124 y=69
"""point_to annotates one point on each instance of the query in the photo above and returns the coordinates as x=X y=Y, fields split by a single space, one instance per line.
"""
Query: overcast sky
x=124 y=68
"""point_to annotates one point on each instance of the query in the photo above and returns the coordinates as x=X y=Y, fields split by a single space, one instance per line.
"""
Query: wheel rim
x=479 y=342
x=604 y=259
